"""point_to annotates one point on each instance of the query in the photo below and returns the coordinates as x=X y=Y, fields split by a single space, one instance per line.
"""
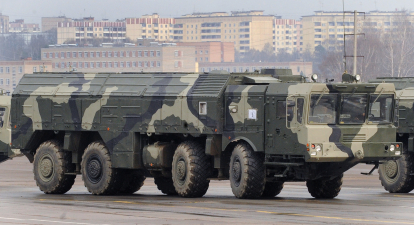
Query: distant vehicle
x=397 y=176
x=258 y=130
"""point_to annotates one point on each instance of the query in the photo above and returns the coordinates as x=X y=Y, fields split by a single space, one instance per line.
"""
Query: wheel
x=132 y=181
x=97 y=172
x=165 y=185
x=272 y=189
x=190 y=170
x=325 y=187
x=49 y=167
x=247 y=172
x=396 y=175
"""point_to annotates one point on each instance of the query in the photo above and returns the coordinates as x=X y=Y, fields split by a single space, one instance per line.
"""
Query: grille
x=209 y=85
x=354 y=137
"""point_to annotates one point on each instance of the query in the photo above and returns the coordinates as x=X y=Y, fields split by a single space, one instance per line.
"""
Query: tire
x=132 y=181
x=395 y=176
x=49 y=167
x=247 y=172
x=165 y=185
x=190 y=170
x=272 y=189
x=97 y=172
x=325 y=188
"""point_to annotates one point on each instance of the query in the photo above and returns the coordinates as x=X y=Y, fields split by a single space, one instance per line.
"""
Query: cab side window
x=299 y=109
x=2 y=116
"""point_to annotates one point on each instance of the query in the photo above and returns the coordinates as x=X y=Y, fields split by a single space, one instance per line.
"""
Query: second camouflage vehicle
x=256 y=130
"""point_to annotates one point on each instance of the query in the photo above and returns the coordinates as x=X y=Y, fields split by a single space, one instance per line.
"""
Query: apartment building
x=328 y=28
x=150 y=27
x=246 y=29
x=19 y=26
x=12 y=71
x=212 y=51
x=49 y=23
x=4 y=24
x=287 y=35
x=154 y=58
x=87 y=29
x=302 y=68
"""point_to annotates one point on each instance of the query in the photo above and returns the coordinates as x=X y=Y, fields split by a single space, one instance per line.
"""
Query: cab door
x=5 y=129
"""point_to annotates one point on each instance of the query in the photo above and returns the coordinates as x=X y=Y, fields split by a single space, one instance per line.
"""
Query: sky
x=33 y=10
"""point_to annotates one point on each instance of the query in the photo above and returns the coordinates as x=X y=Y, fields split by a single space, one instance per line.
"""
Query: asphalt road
x=361 y=201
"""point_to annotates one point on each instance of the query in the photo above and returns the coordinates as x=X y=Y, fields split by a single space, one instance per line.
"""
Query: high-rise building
x=287 y=35
x=49 y=23
x=88 y=29
x=4 y=24
x=19 y=26
x=328 y=28
x=150 y=27
x=246 y=29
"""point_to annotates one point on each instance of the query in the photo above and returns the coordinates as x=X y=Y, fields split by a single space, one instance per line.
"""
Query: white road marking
x=49 y=221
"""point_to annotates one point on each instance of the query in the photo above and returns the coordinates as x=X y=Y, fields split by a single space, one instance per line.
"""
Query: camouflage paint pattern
x=223 y=108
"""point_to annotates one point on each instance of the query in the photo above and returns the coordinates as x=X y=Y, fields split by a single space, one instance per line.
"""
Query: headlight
x=397 y=152
x=318 y=148
x=357 y=77
x=392 y=148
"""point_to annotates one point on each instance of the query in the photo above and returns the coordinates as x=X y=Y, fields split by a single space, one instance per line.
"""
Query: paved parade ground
x=361 y=201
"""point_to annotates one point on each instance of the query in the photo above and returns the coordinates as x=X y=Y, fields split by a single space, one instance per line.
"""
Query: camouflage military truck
x=256 y=130
x=397 y=176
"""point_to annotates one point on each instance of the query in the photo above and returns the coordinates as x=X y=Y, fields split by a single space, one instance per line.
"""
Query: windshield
x=322 y=109
x=380 y=108
x=353 y=108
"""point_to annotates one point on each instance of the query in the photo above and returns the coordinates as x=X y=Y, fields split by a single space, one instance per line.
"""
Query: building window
x=133 y=53
x=176 y=64
x=109 y=54
x=86 y=64
x=122 y=64
x=109 y=64
x=139 y=64
x=98 y=54
x=68 y=64
x=67 y=54
x=176 y=53
x=56 y=65
x=134 y=64
x=1 y=69
x=75 y=65
x=56 y=55
x=139 y=53
x=151 y=53
x=121 y=54
x=128 y=64
x=92 y=65
x=62 y=55
x=103 y=54
x=44 y=55
x=115 y=64
x=115 y=54
x=80 y=54
x=145 y=64
x=80 y=64
x=158 y=64
x=7 y=81
x=50 y=55
x=206 y=59
x=103 y=64
x=73 y=54
x=1 y=81
x=86 y=55
x=145 y=53
x=92 y=54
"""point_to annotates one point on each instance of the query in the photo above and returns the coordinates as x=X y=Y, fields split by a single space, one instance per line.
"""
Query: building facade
x=4 y=24
x=88 y=29
x=328 y=28
x=300 y=68
x=287 y=35
x=19 y=26
x=212 y=51
x=49 y=23
x=155 y=58
x=247 y=30
x=12 y=71
x=150 y=27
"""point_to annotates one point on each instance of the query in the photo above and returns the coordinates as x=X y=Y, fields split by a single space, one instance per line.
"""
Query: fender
x=238 y=138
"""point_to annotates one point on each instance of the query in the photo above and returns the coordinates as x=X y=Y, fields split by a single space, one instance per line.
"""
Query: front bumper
x=359 y=152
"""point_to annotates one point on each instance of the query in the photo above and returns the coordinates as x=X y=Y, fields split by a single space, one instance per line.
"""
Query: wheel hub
x=94 y=170
x=391 y=169
x=181 y=169
x=46 y=167
x=236 y=168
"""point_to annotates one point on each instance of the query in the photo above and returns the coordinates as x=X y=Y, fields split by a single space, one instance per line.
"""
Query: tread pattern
x=64 y=182
x=272 y=189
x=111 y=180
x=325 y=187
x=198 y=170
x=404 y=181
x=252 y=182
x=132 y=181
x=165 y=185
